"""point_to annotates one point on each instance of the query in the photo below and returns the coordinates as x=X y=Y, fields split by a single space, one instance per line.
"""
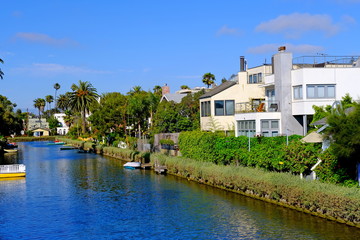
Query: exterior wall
x=346 y=80
x=258 y=117
x=63 y=129
x=240 y=93
x=35 y=123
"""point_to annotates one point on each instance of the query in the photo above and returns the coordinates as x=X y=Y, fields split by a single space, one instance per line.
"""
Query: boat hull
x=132 y=165
x=12 y=175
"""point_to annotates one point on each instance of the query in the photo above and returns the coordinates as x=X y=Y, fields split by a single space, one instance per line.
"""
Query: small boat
x=56 y=143
x=132 y=165
x=67 y=148
x=7 y=150
x=12 y=171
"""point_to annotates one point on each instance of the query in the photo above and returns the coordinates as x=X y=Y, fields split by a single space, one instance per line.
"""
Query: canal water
x=69 y=195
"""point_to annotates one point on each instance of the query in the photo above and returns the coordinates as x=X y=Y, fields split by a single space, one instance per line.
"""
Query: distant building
x=39 y=132
x=62 y=129
x=34 y=123
x=178 y=95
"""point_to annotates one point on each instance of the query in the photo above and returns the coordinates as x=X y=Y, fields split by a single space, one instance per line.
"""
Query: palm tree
x=208 y=79
x=39 y=103
x=57 y=87
x=157 y=90
x=63 y=101
x=184 y=87
x=49 y=99
x=81 y=98
x=1 y=72
x=135 y=90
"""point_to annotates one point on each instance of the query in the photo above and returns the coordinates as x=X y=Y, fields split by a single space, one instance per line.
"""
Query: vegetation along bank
x=280 y=186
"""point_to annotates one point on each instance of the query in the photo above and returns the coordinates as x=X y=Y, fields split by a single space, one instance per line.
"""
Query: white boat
x=132 y=165
x=12 y=171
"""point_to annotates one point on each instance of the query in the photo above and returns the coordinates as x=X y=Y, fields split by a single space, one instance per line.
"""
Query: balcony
x=257 y=106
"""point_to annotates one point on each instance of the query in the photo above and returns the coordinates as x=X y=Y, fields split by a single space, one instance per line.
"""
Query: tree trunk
x=83 y=125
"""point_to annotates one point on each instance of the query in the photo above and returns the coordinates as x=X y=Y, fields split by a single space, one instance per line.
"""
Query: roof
x=218 y=89
x=176 y=97
x=41 y=129
x=312 y=137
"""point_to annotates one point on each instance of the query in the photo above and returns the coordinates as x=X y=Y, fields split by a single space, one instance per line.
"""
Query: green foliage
x=208 y=79
x=167 y=142
x=10 y=121
x=327 y=200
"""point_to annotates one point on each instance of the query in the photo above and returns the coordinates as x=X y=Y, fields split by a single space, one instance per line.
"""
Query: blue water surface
x=68 y=195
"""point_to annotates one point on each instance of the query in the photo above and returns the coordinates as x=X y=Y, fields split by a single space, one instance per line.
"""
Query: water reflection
x=86 y=196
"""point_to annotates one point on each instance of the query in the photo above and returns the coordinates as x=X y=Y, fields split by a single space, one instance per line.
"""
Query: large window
x=269 y=128
x=320 y=91
x=255 y=78
x=205 y=109
x=298 y=94
x=224 y=107
x=246 y=128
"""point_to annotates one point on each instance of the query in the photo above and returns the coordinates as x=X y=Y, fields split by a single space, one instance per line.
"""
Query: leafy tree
x=39 y=103
x=1 y=72
x=10 y=122
x=322 y=112
x=184 y=87
x=56 y=87
x=208 y=79
x=223 y=80
x=138 y=107
x=81 y=98
x=109 y=114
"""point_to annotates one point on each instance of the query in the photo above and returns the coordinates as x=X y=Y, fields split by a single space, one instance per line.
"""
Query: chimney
x=242 y=64
x=282 y=49
x=165 y=89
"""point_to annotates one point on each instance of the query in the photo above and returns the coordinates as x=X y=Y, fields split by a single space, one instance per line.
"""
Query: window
x=270 y=128
x=246 y=128
x=205 y=109
x=226 y=107
x=298 y=92
x=320 y=91
x=255 y=78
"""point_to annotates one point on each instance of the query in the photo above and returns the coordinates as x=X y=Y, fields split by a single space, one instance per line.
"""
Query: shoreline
x=301 y=195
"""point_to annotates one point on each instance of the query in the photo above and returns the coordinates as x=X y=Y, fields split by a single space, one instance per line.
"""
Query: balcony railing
x=263 y=106
x=324 y=61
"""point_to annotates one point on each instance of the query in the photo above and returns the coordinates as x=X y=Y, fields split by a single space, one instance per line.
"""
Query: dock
x=146 y=165
x=160 y=169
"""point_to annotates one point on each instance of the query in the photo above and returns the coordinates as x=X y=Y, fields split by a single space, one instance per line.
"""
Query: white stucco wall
x=346 y=80
x=240 y=93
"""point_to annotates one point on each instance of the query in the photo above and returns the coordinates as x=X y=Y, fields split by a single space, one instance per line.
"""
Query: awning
x=312 y=137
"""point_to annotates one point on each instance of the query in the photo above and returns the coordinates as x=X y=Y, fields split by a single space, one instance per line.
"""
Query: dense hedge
x=326 y=200
x=270 y=153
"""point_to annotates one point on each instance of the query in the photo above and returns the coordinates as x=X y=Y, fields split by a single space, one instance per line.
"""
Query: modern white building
x=62 y=129
x=294 y=86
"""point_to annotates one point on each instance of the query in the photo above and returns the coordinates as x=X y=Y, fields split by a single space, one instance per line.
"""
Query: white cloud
x=225 y=30
x=296 y=24
x=55 y=69
x=299 y=49
x=44 y=39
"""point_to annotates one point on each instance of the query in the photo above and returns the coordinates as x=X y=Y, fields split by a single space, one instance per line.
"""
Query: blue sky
x=117 y=44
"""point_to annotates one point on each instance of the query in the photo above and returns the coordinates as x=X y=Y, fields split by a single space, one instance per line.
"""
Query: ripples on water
x=67 y=195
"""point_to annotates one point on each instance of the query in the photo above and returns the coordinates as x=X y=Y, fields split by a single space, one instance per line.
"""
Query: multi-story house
x=294 y=86
x=240 y=94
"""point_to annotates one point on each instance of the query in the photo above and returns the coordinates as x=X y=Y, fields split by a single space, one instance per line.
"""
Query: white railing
x=14 y=168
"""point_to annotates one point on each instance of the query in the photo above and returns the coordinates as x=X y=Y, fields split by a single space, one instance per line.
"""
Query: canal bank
x=336 y=203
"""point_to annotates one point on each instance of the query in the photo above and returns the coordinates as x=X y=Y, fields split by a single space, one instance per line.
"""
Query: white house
x=62 y=129
x=240 y=94
x=294 y=87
